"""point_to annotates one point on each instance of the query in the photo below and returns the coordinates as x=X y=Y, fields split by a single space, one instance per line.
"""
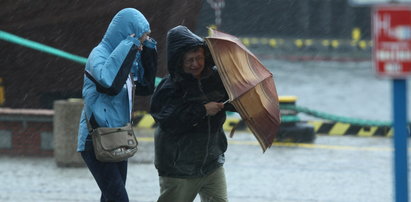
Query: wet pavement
x=333 y=169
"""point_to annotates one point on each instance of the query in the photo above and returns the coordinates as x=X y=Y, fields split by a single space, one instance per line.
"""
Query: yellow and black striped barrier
x=320 y=127
x=145 y=120
x=289 y=117
x=340 y=129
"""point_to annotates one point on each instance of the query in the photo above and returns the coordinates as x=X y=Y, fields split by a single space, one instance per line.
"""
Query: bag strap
x=133 y=94
x=90 y=129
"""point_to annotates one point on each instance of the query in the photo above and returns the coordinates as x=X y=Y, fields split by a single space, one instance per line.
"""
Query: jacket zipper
x=209 y=132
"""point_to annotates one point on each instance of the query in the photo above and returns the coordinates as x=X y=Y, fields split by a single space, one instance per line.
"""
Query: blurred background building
x=316 y=19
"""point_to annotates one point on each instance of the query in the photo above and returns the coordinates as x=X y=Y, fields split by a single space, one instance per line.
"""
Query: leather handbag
x=114 y=144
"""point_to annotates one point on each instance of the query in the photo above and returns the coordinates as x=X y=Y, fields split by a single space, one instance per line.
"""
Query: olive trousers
x=212 y=188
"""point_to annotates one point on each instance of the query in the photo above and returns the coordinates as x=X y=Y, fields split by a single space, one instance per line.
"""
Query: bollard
x=65 y=128
x=292 y=129
x=288 y=100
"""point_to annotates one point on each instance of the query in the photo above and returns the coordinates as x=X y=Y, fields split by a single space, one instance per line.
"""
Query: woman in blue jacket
x=125 y=56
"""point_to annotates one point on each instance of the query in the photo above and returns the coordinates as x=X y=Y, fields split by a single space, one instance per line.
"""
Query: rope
x=322 y=115
x=289 y=119
x=40 y=47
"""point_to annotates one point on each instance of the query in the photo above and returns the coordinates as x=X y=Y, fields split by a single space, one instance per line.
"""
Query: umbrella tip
x=211 y=29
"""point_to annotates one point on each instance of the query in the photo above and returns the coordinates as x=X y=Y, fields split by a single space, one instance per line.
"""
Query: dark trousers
x=110 y=177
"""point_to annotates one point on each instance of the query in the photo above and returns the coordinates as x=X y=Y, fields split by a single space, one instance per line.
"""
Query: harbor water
x=349 y=89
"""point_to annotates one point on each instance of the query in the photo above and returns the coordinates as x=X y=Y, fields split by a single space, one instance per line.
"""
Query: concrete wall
x=40 y=133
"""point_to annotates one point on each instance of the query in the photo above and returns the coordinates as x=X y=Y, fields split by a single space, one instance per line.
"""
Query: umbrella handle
x=225 y=102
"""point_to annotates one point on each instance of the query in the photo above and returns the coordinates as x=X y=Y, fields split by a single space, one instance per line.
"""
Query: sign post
x=400 y=139
x=392 y=58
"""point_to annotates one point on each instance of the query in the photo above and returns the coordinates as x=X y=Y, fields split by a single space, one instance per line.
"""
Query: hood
x=124 y=23
x=179 y=40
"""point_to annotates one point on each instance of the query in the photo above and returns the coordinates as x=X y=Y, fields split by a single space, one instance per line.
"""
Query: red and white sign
x=392 y=40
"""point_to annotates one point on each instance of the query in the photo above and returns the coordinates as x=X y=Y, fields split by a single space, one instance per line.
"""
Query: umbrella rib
x=262 y=141
x=251 y=88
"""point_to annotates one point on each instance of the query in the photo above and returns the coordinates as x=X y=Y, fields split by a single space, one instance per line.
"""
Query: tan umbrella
x=250 y=86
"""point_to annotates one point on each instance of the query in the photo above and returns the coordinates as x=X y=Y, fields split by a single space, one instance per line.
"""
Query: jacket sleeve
x=149 y=63
x=173 y=114
x=109 y=71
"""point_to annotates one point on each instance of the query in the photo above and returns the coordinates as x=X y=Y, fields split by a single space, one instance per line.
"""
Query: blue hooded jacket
x=107 y=102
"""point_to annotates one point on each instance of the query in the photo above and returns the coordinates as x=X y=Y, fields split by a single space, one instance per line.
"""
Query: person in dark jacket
x=188 y=107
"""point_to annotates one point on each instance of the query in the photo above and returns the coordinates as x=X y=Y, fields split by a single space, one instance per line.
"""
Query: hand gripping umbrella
x=250 y=86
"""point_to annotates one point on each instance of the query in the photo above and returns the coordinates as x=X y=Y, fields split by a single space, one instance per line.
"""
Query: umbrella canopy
x=250 y=86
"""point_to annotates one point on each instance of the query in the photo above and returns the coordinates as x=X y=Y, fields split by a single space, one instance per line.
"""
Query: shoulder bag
x=113 y=144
